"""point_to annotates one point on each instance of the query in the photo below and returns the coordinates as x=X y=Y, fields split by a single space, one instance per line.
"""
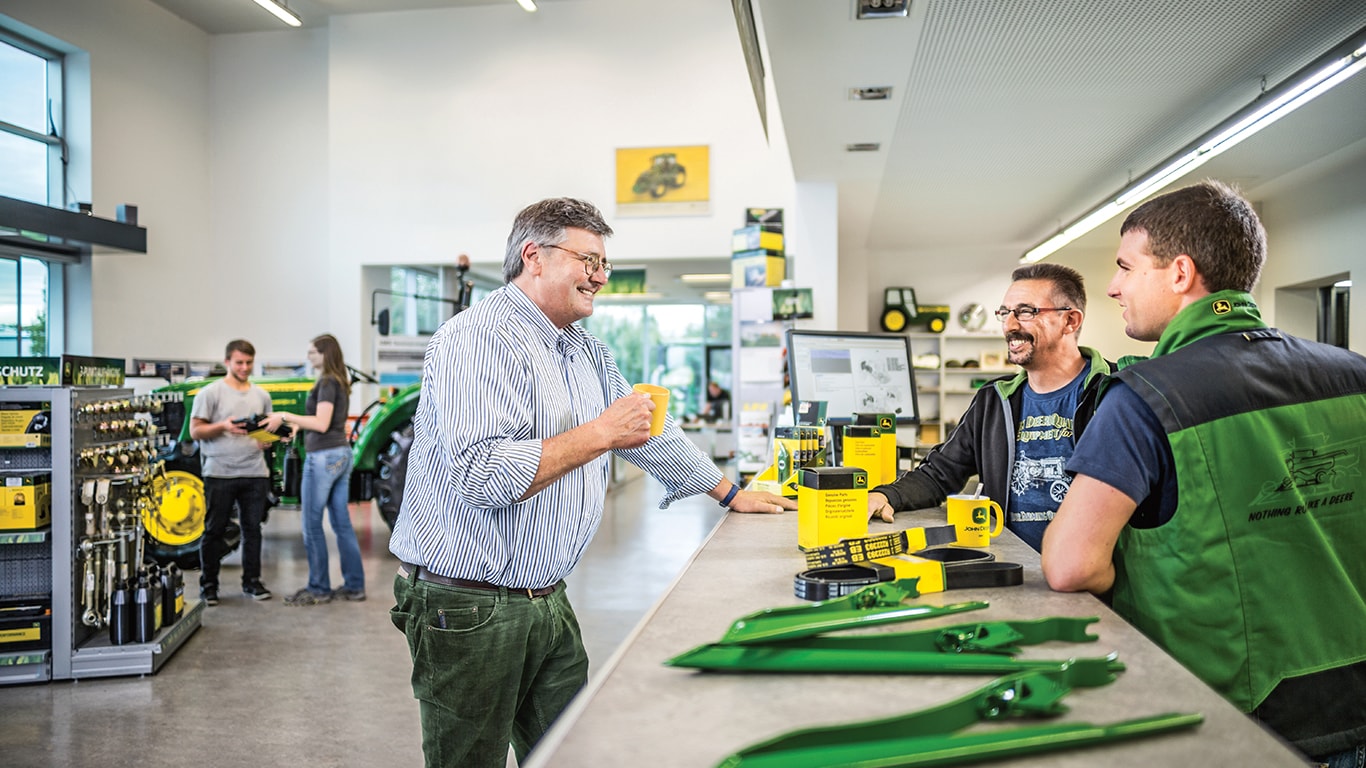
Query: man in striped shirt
x=506 y=481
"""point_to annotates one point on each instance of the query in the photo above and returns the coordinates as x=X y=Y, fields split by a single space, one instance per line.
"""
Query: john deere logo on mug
x=1222 y=307
x=980 y=516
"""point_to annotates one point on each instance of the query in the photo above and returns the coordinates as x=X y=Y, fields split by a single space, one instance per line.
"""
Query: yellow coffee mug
x=971 y=515
x=660 y=395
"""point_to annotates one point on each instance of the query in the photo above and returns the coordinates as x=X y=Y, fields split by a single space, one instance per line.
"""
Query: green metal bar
x=964 y=748
x=766 y=658
x=1036 y=693
x=1001 y=637
x=873 y=605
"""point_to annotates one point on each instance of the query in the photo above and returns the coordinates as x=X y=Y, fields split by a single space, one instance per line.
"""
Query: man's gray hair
x=544 y=223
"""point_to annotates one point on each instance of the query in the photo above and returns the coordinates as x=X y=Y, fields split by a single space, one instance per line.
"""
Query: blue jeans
x=489 y=668
x=327 y=486
x=1349 y=758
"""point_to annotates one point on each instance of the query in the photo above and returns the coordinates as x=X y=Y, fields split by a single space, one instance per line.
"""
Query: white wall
x=405 y=138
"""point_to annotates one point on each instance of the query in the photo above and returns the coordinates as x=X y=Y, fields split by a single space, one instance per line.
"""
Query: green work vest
x=1258 y=577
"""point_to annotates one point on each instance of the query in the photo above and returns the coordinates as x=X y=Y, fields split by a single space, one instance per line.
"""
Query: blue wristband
x=734 y=489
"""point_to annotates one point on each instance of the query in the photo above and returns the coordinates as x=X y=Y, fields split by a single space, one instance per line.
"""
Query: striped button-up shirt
x=497 y=379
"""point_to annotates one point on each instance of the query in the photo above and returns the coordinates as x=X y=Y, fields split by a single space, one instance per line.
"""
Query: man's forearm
x=564 y=453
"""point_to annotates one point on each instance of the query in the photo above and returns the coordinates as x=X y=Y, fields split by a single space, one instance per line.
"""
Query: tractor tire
x=658 y=188
x=393 y=470
x=680 y=178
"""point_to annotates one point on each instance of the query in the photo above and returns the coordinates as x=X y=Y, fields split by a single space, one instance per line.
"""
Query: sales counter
x=638 y=712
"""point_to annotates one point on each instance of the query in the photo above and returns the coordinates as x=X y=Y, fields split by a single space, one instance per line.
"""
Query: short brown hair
x=1213 y=225
x=239 y=345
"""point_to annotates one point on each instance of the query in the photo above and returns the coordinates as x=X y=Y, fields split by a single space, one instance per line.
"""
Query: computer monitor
x=853 y=373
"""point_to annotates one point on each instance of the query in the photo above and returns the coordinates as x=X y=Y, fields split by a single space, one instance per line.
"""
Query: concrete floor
x=263 y=684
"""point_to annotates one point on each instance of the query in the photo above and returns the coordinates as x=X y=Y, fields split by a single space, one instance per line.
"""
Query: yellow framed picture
x=655 y=181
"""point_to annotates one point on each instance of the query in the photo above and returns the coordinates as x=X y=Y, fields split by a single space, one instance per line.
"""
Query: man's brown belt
x=407 y=569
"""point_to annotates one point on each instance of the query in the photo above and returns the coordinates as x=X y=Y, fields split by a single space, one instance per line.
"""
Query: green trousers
x=489 y=668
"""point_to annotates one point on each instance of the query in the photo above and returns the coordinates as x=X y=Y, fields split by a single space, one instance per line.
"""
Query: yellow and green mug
x=971 y=515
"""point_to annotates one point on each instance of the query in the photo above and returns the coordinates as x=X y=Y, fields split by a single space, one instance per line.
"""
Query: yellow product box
x=907 y=566
x=756 y=237
x=863 y=449
x=756 y=269
x=832 y=504
x=886 y=422
x=25 y=502
x=22 y=423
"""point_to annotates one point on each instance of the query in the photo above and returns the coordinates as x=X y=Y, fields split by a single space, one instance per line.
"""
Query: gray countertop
x=637 y=712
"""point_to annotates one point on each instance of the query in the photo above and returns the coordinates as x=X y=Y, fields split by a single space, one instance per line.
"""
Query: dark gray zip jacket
x=983 y=443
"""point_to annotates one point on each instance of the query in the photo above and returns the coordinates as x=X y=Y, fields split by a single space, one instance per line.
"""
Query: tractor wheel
x=680 y=178
x=658 y=189
x=393 y=469
x=894 y=319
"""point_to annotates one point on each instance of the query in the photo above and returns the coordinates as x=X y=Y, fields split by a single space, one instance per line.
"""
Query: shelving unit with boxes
x=946 y=388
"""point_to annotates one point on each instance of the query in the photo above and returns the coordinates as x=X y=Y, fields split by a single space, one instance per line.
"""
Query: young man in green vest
x=1218 y=494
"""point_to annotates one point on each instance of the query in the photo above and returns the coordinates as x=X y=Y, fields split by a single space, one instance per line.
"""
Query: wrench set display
x=116 y=468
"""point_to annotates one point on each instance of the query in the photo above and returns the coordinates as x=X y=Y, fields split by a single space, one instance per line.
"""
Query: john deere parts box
x=886 y=424
x=863 y=450
x=832 y=504
x=25 y=425
x=25 y=502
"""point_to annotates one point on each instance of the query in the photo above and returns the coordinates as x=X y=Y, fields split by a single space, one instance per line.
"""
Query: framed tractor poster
x=664 y=181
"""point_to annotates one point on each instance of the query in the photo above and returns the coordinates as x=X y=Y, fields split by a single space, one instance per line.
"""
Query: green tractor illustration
x=380 y=441
x=663 y=175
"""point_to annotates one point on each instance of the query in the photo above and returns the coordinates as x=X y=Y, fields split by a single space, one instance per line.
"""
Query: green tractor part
x=980 y=648
x=930 y=736
x=379 y=464
x=874 y=605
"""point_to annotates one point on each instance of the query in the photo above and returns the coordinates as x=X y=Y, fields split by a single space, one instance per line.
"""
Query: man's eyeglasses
x=1026 y=313
x=592 y=262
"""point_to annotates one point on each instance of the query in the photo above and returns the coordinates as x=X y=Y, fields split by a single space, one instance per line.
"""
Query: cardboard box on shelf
x=25 y=502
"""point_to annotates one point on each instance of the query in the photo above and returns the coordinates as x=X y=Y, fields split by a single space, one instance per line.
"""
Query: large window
x=663 y=344
x=30 y=170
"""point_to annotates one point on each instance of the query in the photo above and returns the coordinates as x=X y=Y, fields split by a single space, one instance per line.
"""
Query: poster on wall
x=664 y=181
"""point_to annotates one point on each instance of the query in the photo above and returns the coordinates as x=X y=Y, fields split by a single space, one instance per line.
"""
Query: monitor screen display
x=853 y=373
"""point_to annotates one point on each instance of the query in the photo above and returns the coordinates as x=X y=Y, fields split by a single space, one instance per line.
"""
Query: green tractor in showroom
x=380 y=440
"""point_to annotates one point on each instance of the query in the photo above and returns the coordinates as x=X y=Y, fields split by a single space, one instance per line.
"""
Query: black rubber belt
x=838 y=581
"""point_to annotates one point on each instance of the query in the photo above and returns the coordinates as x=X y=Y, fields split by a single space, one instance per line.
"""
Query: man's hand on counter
x=761 y=502
x=879 y=508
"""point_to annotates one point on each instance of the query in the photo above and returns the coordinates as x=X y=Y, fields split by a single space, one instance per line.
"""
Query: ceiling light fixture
x=528 y=5
x=882 y=9
x=281 y=12
x=706 y=277
x=875 y=93
x=717 y=297
x=1294 y=92
x=865 y=146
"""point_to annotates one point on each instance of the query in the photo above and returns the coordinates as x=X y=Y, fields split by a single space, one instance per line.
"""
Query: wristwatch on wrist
x=734 y=489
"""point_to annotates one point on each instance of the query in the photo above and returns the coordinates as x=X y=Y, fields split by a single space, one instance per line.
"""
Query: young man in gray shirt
x=234 y=470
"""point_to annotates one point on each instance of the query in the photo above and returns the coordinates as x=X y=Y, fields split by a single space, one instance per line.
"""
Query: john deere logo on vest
x=979 y=516
x=1222 y=307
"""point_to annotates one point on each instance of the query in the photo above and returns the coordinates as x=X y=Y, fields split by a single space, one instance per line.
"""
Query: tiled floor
x=263 y=684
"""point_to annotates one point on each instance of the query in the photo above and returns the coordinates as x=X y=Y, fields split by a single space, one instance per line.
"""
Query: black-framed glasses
x=592 y=262
x=1026 y=313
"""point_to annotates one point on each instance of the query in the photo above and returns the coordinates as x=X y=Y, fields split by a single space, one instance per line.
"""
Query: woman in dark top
x=327 y=477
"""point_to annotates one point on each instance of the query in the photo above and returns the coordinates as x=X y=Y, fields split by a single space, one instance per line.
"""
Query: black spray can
x=144 y=612
x=121 y=614
x=172 y=594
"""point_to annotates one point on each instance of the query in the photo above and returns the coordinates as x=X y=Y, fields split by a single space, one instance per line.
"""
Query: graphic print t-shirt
x=1044 y=440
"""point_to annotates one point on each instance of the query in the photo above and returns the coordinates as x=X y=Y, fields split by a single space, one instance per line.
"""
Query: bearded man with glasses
x=521 y=410
x=1019 y=430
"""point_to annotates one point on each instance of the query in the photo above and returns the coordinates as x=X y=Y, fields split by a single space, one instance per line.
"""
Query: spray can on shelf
x=121 y=614
x=172 y=594
x=144 y=612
